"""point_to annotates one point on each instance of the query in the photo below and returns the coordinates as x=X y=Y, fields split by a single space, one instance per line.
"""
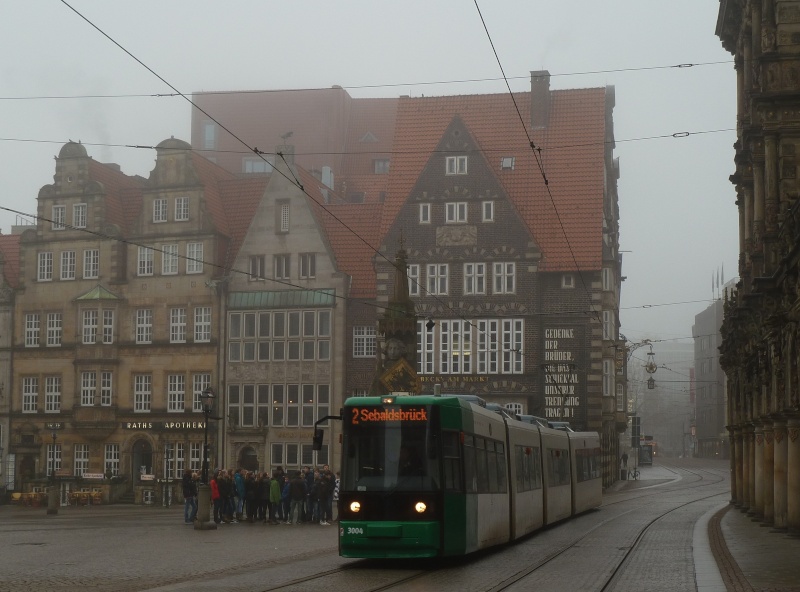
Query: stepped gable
x=9 y=247
x=572 y=156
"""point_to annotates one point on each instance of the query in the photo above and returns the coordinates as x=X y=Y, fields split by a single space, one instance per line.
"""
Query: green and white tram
x=428 y=476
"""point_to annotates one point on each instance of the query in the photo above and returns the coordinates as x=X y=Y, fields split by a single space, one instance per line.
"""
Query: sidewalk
x=747 y=556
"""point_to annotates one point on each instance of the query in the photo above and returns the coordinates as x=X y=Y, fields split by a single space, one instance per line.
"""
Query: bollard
x=52 y=500
x=204 y=521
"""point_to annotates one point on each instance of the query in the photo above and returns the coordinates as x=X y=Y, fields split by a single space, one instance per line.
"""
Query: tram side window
x=529 y=468
x=587 y=463
x=482 y=467
x=558 y=467
x=470 y=476
x=451 y=461
x=500 y=463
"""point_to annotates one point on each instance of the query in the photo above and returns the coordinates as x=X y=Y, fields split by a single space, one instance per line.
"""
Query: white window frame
x=426 y=353
x=282 y=266
x=507 y=163
x=89 y=322
x=202 y=324
x=91 y=264
x=488 y=346
x=32 y=329
x=106 y=388
x=568 y=281
x=53 y=458
x=456 y=165
x=200 y=382
x=474 y=278
x=67 y=265
x=608 y=324
x=81 y=459
x=258 y=269
x=88 y=388
x=79 y=215
x=169 y=259
x=159 y=210
x=144 y=266
x=111 y=459
x=608 y=377
x=308 y=266
x=52 y=394
x=413 y=279
x=176 y=393
x=364 y=341
x=455 y=347
x=55 y=329
x=424 y=213
x=181 y=209
x=30 y=394
x=608 y=276
x=177 y=325
x=438 y=277
x=45 y=267
x=59 y=217
x=513 y=335
x=142 y=393
x=487 y=211
x=144 y=325
x=194 y=258
x=108 y=326
x=504 y=277
x=456 y=212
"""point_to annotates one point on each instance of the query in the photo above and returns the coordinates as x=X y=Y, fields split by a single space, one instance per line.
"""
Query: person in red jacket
x=216 y=499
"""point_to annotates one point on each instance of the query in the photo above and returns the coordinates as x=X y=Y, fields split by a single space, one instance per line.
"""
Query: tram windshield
x=390 y=456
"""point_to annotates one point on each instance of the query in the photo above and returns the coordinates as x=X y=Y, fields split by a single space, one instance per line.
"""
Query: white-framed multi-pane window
x=286 y=454
x=315 y=403
x=426 y=356
x=504 y=277
x=364 y=341
x=181 y=209
x=194 y=258
x=108 y=326
x=144 y=325
x=202 y=324
x=54 y=329
x=283 y=216
x=169 y=259
x=279 y=336
x=30 y=394
x=424 y=213
x=79 y=215
x=308 y=265
x=173 y=460
x=437 y=278
x=67 y=265
x=512 y=336
x=608 y=378
x=111 y=460
x=45 y=267
x=413 y=279
x=88 y=388
x=620 y=397
x=52 y=394
x=32 y=330
x=455 y=347
x=106 y=388
x=89 y=326
x=195 y=455
x=91 y=264
x=608 y=279
x=456 y=212
x=159 y=210
x=474 y=278
x=200 y=382
x=487 y=209
x=142 y=393
x=609 y=325
x=145 y=262
x=80 y=459
x=59 y=217
x=258 y=270
x=282 y=266
x=53 y=459
x=456 y=165
x=176 y=392
x=177 y=325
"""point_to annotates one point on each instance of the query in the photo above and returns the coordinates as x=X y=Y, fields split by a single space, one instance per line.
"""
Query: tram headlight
x=355 y=507
x=420 y=507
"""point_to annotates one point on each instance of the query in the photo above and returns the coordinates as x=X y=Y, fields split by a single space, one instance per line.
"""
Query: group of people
x=305 y=496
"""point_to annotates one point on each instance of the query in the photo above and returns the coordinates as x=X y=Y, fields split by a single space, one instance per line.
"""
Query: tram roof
x=443 y=399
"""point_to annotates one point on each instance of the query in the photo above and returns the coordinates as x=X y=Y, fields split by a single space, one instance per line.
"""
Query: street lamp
x=207 y=397
x=52 y=494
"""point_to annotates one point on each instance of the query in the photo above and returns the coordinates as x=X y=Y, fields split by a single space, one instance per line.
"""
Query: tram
x=433 y=476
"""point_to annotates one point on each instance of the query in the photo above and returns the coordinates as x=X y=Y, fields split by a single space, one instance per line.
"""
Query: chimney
x=327 y=176
x=540 y=98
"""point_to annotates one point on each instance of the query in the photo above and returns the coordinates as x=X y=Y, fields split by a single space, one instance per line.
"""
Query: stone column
x=779 y=496
x=793 y=476
x=768 y=474
x=744 y=503
x=757 y=509
x=739 y=468
x=733 y=459
x=204 y=521
x=751 y=465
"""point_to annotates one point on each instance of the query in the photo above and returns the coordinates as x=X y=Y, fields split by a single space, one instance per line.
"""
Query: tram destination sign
x=373 y=415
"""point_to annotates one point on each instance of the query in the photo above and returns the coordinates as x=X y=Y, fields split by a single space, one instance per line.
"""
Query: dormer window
x=456 y=165
x=381 y=166
x=507 y=163
x=568 y=281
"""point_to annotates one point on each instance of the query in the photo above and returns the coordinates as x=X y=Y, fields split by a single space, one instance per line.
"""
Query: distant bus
x=646 y=453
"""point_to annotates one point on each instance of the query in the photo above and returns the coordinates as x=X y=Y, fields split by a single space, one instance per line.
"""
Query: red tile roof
x=240 y=199
x=123 y=194
x=572 y=157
